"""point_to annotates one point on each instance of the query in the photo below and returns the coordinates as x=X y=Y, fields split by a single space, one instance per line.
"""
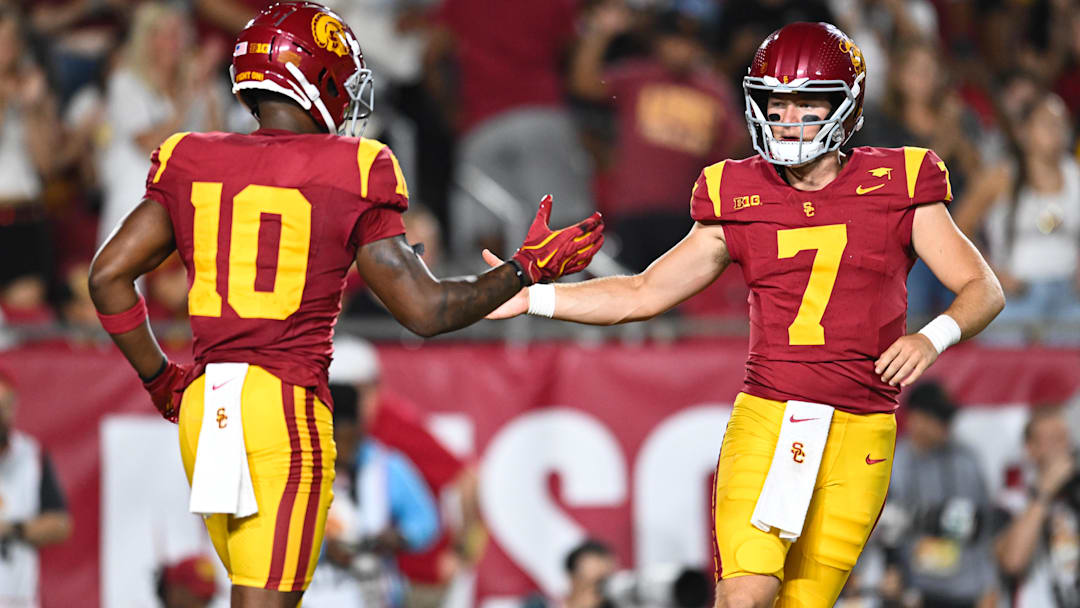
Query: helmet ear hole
x=331 y=87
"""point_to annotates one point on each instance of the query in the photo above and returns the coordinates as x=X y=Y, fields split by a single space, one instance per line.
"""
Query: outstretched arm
x=429 y=306
x=961 y=268
x=422 y=303
x=686 y=269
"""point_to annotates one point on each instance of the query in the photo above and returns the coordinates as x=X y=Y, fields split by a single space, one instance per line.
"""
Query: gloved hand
x=165 y=390
x=547 y=255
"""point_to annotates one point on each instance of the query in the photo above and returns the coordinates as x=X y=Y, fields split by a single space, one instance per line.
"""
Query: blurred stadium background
x=611 y=104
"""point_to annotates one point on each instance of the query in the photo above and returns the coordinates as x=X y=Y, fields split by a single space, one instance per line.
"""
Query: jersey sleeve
x=381 y=180
x=927 y=177
x=705 y=201
x=375 y=224
x=159 y=180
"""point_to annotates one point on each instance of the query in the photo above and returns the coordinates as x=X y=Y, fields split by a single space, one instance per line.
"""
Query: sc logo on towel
x=223 y=420
x=797 y=453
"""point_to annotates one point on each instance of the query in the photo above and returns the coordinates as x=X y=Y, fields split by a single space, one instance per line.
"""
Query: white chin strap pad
x=788 y=151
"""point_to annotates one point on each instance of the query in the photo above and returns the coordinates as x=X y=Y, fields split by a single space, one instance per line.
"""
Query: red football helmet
x=304 y=51
x=805 y=58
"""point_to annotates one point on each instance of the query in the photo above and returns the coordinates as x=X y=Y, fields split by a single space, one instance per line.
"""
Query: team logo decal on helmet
x=304 y=51
x=814 y=58
x=329 y=34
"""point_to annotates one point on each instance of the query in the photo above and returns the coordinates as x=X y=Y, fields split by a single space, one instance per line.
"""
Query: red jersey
x=267 y=225
x=671 y=124
x=827 y=270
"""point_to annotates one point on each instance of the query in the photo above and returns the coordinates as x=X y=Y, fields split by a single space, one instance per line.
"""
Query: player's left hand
x=165 y=391
x=906 y=360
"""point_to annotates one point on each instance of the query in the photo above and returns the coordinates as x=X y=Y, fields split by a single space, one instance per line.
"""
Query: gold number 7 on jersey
x=249 y=206
x=828 y=243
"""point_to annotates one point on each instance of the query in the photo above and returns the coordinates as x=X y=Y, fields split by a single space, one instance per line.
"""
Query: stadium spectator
x=674 y=115
x=381 y=508
x=188 y=583
x=588 y=566
x=33 y=512
x=161 y=85
x=920 y=108
x=874 y=25
x=1037 y=551
x=1030 y=209
x=28 y=133
x=513 y=123
x=396 y=423
x=80 y=37
x=937 y=488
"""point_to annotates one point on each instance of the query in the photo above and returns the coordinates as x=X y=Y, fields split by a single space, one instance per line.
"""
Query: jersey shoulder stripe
x=165 y=152
x=926 y=176
x=381 y=179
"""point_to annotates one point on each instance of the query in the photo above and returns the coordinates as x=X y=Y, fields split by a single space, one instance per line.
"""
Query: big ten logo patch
x=797 y=453
x=742 y=202
x=222 y=419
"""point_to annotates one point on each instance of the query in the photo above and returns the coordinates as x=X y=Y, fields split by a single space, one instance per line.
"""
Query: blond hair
x=137 y=54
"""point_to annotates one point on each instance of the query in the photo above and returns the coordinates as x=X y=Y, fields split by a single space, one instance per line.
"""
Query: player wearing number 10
x=267 y=225
x=825 y=240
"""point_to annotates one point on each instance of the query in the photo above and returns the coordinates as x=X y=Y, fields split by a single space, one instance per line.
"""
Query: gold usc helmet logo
x=329 y=34
x=849 y=47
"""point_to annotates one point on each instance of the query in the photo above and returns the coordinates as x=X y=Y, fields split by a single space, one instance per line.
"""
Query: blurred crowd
x=608 y=104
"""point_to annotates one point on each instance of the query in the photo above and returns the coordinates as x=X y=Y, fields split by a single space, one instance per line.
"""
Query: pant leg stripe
x=718 y=566
x=288 y=497
x=311 y=516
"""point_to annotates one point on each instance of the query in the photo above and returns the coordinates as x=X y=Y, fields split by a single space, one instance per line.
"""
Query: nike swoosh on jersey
x=860 y=190
x=874 y=460
x=796 y=420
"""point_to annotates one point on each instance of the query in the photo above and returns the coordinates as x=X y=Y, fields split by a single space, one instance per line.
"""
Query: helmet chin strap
x=312 y=93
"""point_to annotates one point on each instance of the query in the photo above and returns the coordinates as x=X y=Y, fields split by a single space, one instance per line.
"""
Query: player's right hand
x=548 y=254
x=517 y=305
x=165 y=390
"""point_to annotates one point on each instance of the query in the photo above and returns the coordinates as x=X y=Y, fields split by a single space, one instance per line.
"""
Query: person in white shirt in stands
x=32 y=509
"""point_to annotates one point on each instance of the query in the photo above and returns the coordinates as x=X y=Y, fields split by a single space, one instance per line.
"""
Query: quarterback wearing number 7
x=267 y=225
x=825 y=240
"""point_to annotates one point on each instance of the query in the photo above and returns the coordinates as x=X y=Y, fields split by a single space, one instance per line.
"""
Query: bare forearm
x=47 y=528
x=976 y=304
x=1017 y=545
x=115 y=295
x=587 y=67
x=462 y=301
x=604 y=301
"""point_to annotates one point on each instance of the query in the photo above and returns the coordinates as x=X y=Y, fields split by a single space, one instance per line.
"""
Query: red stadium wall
x=610 y=417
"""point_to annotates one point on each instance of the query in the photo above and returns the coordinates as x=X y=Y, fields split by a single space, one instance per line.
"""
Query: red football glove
x=547 y=255
x=166 y=388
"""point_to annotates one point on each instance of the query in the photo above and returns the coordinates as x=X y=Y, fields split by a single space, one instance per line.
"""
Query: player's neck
x=286 y=117
x=815 y=174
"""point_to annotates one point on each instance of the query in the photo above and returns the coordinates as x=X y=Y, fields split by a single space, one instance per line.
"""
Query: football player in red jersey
x=267 y=225
x=825 y=240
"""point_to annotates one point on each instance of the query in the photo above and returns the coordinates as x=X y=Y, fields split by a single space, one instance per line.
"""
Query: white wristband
x=542 y=300
x=943 y=332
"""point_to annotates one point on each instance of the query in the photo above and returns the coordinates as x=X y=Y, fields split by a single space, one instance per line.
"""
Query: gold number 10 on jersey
x=249 y=206
x=829 y=243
